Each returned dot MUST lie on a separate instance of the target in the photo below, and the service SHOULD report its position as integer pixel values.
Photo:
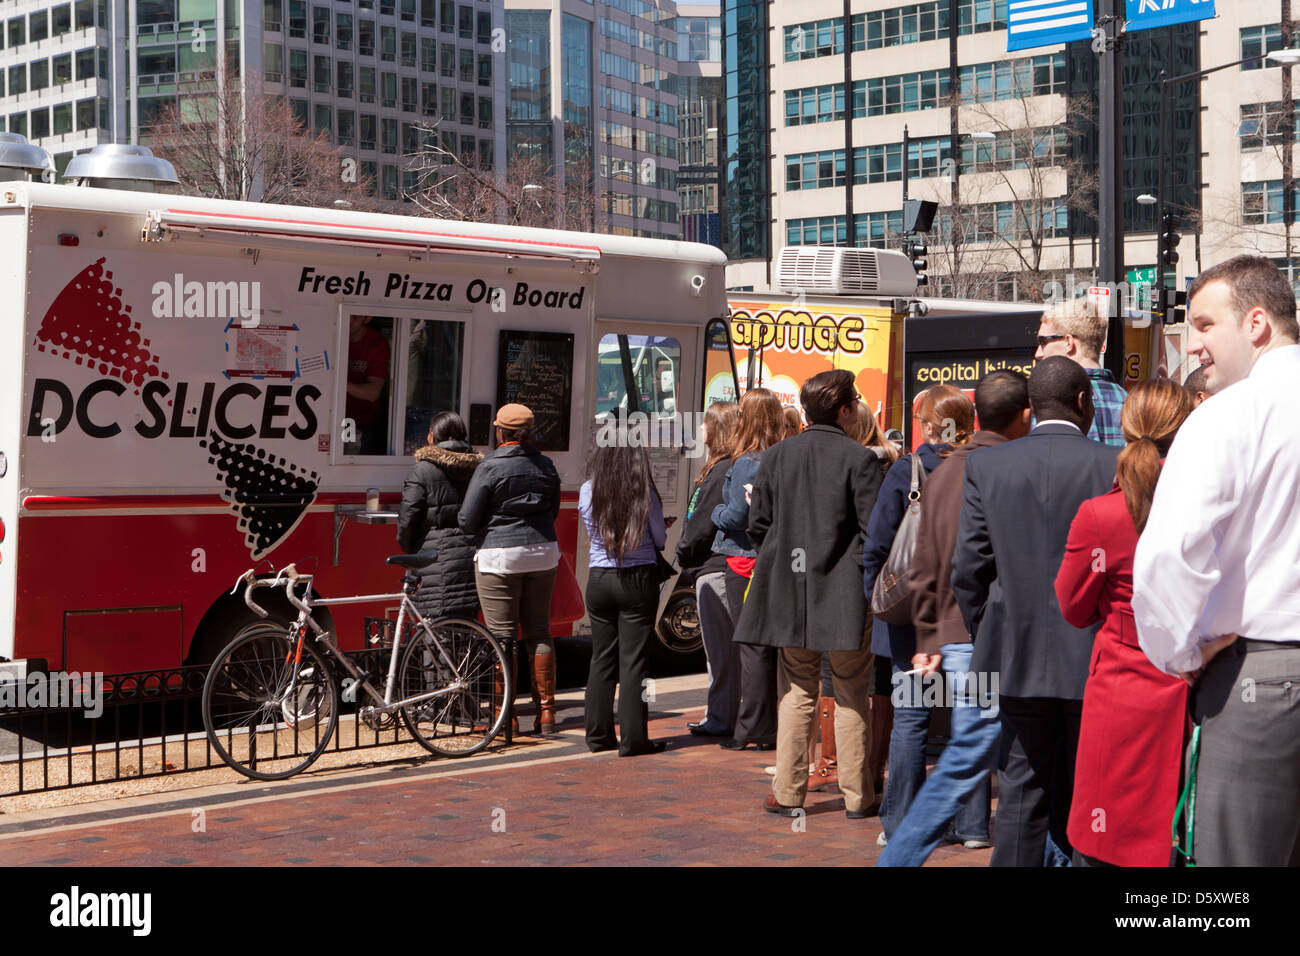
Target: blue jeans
(906, 749)
(961, 784)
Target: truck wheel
(679, 625)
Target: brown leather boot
(499, 692)
(826, 773)
(544, 688)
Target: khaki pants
(851, 673)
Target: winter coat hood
(453, 456)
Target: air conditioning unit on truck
(175, 404)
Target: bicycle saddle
(413, 562)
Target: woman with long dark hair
(695, 550)
(1135, 718)
(427, 520)
(625, 523)
(762, 425)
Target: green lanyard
(1188, 798)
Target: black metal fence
(151, 725)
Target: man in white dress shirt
(1216, 580)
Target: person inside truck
(367, 381)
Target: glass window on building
(467, 109)
(466, 22)
(428, 13)
(1257, 41)
(369, 125)
(483, 27)
(387, 7)
(85, 14)
(410, 139)
(447, 16)
(408, 11)
(321, 74)
(428, 99)
(408, 49)
(17, 32)
(428, 55)
(369, 180)
(18, 79)
(388, 43)
(299, 108)
(485, 158)
(86, 114)
(40, 73)
(466, 59)
(388, 90)
(298, 68)
(63, 68)
(297, 18)
(18, 123)
(345, 79)
(347, 127)
(390, 182)
(38, 25)
(389, 129)
(485, 112)
(272, 16)
(366, 37)
(61, 20)
(366, 84)
(40, 123)
(484, 69)
(449, 140)
(154, 11)
(273, 62)
(447, 104)
(343, 31)
(322, 121)
(85, 65)
(410, 94)
(448, 55)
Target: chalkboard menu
(536, 369)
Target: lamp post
(1276, 58)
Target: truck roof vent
(122, 166)
(832, 270)
(21, 160)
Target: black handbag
(663, 570)
(891, 596)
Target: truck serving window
(637, 373)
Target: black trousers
(621, 603)
(756, 721)
(1040, 737)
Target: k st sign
(1149, 14)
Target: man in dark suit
(1018, 500)
(812, 498)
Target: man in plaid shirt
(1077, 330)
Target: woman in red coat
(1135, 722)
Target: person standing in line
(427, 520)
(944, 416)
(1196, 387)
(695, 550)
(958, 791)
(762, 425)
(1077, 330)
(1216, 578)
(1134, 717)
(793, 421)
(510, 508)
(625, 523)
(811, 499)
(1018, 500)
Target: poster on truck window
(787, 344)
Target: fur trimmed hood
(460, 461)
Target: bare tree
(230, 140)
(451, 185)
(1017, 190)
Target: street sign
(1149, 14)
(1145, 276)
(1141, 282)
(1032, 23)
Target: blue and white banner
(1148, 14)
(1032, 23)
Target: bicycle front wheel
(455, 653)
(269, 712)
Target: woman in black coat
(431, 499)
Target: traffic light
(917, 251)
(1169, 240)
(1175, 307)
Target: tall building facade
(1011, 159)
(592, 86)
(699, 108)
(365, 72)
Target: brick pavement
(542, 803)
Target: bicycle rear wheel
(463, 722)
(256, 721)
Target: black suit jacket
(1018, 501)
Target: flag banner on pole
(1149, 14)
(1032, 23)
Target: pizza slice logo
(89, 324)
(268, 495)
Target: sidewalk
(538, 803)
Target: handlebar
(288, 575)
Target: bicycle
(271, 701)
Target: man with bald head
(1018, 500)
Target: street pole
(907, 144)
(1110, 211)
(1162, 159)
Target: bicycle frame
(385, 704)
